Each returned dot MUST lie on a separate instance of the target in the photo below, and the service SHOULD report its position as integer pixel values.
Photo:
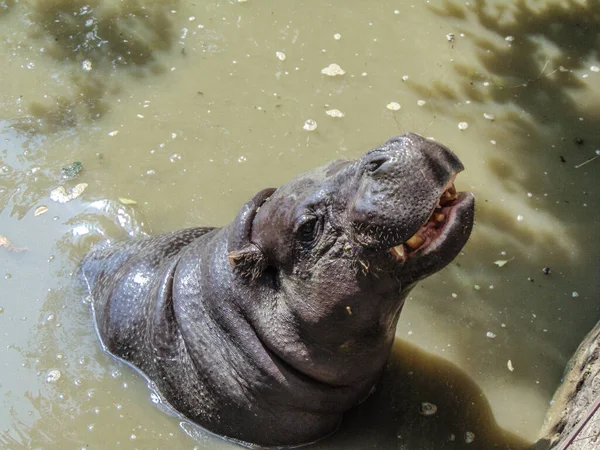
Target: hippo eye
(376, 163)
(308, 229)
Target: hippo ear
(249, 261)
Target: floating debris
(70, 172)
(127, 201)
(393, 106)
(60, 194)
(4, 242)
(40, 210)
(113, 133)
(595, 69)
(337, 36)
(589, 160)
(334, 113)
(428, 409)
(404, 77)
(349, 310)
(477, 287)
(86, 65)
(575, 294)
(421, 102)
(53, 376)
(510, 366)
(546, 270)
(333, 70)
(489, 116)
(280, 56)
(502, 262)
(310, 125)
(463, 126)
(469, 437)
(450, 37)
(490, 335)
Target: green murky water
(190, 108)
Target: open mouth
(436, 229)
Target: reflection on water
(189, 109)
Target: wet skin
(269, 329)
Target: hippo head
(334, 252)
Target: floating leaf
(71, 171)
(502, 262)
(4, 242)
(40, 210)
(127, 201)
(333, 70)
(60, 194)
(334, 113)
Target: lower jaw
(423, 245)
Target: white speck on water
(509, 38)
(280, 56)
(364, 74)
(333, 70)
(529, 194)
(575, 294)
(404, 77)
(410, 333)
(454, 295)
(450, 37)
(113, 133)
(503, 325)
(396, 11)
(490, 334)
(421, 102)
(242, 159)
(140, 116)
(489, 116)
(133, 437)
(334, 113)
(175, 157)
(428, 409)
(86, 65)
(520, 217)
(337, 36)
(53, 376)
(493, 142)
(510, 365)
(595, 69)
(192, 18)
(310, 125)
(393, 106)
(469, 437)
(463, 126)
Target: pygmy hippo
(267, 330)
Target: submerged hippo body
(269, 329)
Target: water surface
(189, 109)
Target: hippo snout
(398, 190)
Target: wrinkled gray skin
(268, 329)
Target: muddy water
(189, 109)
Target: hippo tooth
(415, 242)
(398, 251)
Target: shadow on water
(391, 418)
(98, 40)
(535, 74)
(532, 61)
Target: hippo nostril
(375, 163)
